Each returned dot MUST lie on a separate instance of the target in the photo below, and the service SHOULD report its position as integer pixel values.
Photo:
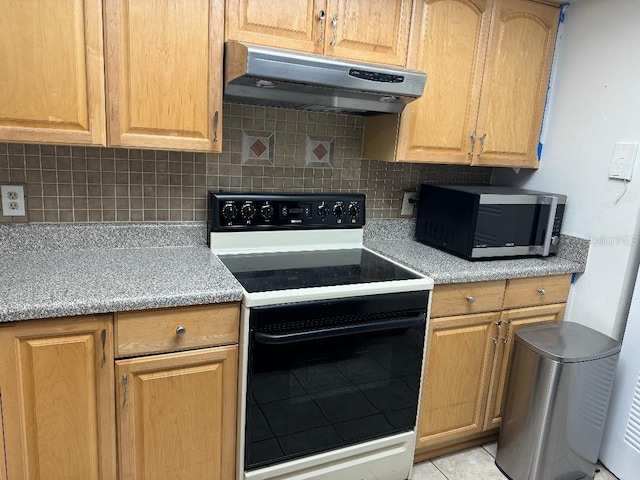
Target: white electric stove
(332, 339)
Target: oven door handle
(283, 338)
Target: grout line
(443, 474)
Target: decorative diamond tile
(319, 151)
(258, 147)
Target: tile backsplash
(265, 149)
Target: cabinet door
(52, 72)
(56, 383)
(350, 31)
(164, 73)
(448, 41)
(294, 24)
(177, 415)
(515, 83)
(512, 320)
(459, 357)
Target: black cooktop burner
(263, 272)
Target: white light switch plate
(623, 161)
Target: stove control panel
(260, 211)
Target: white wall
(594, 103)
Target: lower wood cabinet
(468, 358)
(460, 355)
(57, 403)
(173, 414)
(510, 322)
(177, 415)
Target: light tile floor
(474, 464)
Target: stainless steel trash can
(557, 400)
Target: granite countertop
(394, 238)
(56, 270)
(59, 271)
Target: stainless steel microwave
(483, 221)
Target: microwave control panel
(263, 211)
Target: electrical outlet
(409, 203)
(13, 204)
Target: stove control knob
(323, 211)
(354, 209)
(229, 211)
(338, 210)
(266, 211)
(248, 211)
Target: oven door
(326, 374)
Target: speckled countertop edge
(59, 270)
(394, 238)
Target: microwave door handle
(552, 201)
(285, 338)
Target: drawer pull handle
(334, 22)
(125, 384)
(542, 291)
(471, 298)
(506, 335)
(103, 339)
(181, 330)
(321, 17)
(473, 143)
(215, 127)
(482, 138)
(498, 328)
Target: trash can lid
(567, 342)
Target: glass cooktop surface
(264, 272)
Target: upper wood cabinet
(488, 65)
(338, 28)
(164, 73)
(52, 72)
(57, 390)
(514, 87)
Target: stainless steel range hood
(281, 78)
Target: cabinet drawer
(526, 292)
(172, 329)
(463, 298)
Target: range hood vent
(280, 78)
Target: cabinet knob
(181, 330)
(542, 291)
(471, 298)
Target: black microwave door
(446, 219)
(510, 225)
